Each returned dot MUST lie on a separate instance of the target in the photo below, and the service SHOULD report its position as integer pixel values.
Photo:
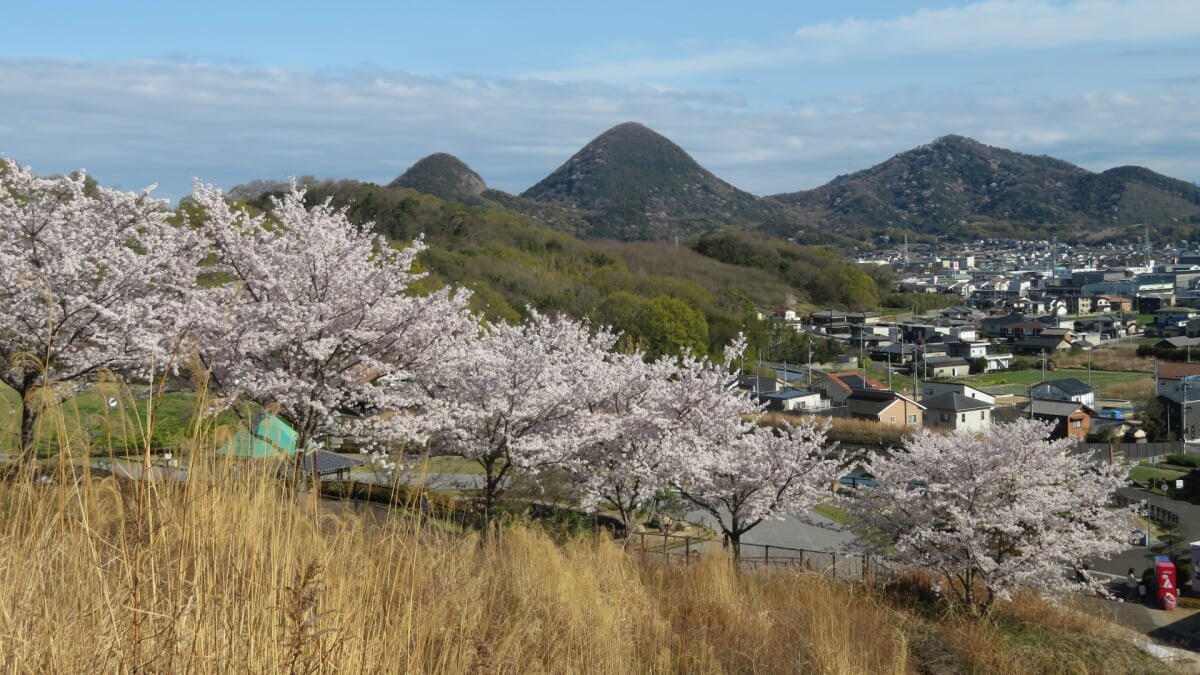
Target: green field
(89, 418)
(1019, 380)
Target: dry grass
(1131, 391)
(1105, 359)
(229, 571)
(241, 576)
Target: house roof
(1067, 385)
(787, 395)
(955, 401)
(1048, 408)
(1175, 371)
(330, 462)
(1049, 341)
(853, 381)
(872, 402)
(941, 361)
(1179, 342)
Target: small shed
(271, 438)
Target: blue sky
(772, 97)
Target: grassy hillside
(228, 573)
(510, 261)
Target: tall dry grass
(232, 571)
(1105, 359)
(240, 575)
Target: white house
(951, 410)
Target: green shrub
(1180, 459)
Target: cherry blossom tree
(707, 444)
(620, 466)
(91, 279)
(524, 399)
(317, 317)
(991, 513)
(764, 472)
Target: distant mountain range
(632, 183)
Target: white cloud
(636, 70)
(133, 124)
(1007, 24)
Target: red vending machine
(1164, 577)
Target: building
(886, 407)
(1070, 419)
(794, 400)
(956, 412)
(1066, 389)
(837, 387)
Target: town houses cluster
(1012, 299)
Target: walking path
(1175, 633)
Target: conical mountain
(634, 183)
(960, 187)
(444, 176)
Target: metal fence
(1148, 508)
(1117, 452)
(680, 549)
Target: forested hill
(637, 184)
(963, 189)
(658, 293)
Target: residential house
(897, 353)
(862, 318)
(885, 406)
(837, 387)
(828, 319)
(1010, 327)
(1041, 345)
(1070, 419)
(997, 362)
(1178, 385)
(1078, 304)
(931, 389)
(1066, 389)
(941, 367)
(961, 313)
(956, 412)
(1117, 304)
(793, 400)
(967, 350)
(757, 385)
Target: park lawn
(1147, 472)
(88, 416)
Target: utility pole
(809, 339)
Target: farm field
(1018, 381)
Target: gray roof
(873, 401)
(1054, 408)
(955, 401)
(1067, 385)
(330, 462)
(784, 395)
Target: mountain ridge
(632, 183)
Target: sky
(773, 96)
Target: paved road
(1141, 557)
(822, 534)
